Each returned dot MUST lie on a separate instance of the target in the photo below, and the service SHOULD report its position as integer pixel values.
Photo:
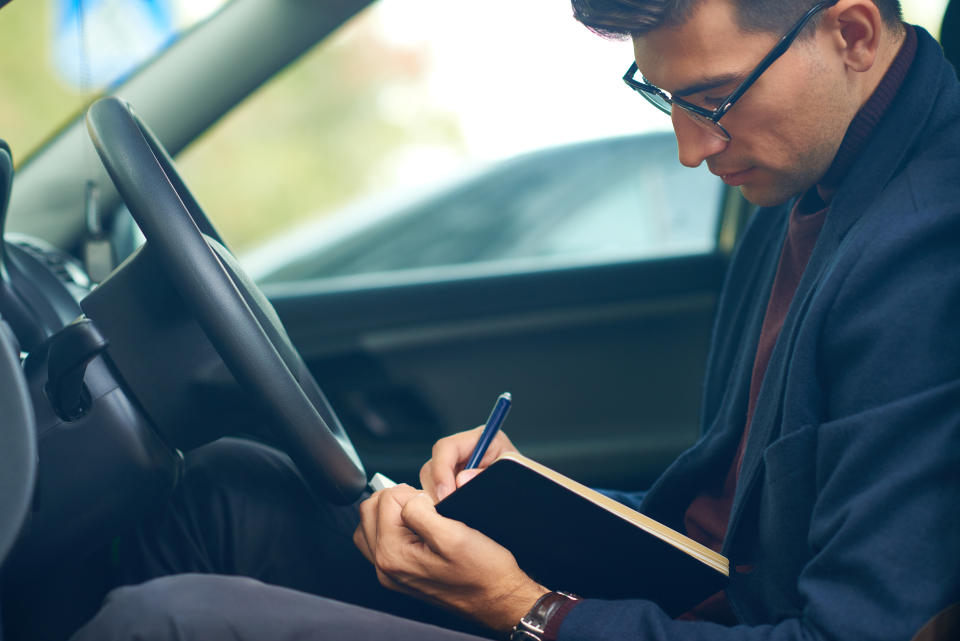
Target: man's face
(784, 132)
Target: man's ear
(857, 30)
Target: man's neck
(892, 67)
(892, 43)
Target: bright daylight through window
(392, 119)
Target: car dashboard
(99, 456)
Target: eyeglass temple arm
(777, 51)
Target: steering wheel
(18, 446)
(236, 317)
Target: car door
(415, 324)
(604, 361)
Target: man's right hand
(444, 472)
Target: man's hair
(621, 18)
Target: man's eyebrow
(706, 84)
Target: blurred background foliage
(348, 118)
(32, 100)
(323, 133)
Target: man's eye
(713, 102)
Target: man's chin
(764, 196)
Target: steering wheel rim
(235, 316)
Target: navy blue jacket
(848, 501)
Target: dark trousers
(242, 512)
(214, 607)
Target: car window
(427, 133)
(606, 199)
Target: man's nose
(695, 143)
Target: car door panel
(604, 361)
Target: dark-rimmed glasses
(710, 119)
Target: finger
(427, 482)
(391, 531)
(367, 529)
(387, 581)
(361, 542)
(396, 543)
(440, 534)
(498, 446)
(449, 455)
(466, 475)
(501, 443)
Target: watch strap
(534, 623)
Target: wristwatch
(533, 624)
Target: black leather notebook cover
(566, 541)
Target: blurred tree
(52, 68)
(33, 101)
(322, 133)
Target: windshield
(60, 54)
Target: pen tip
(507, 396)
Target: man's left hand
(418, 552)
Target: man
(828, 467)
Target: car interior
(107, 379)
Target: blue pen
(490, 430)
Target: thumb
(466, 476)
